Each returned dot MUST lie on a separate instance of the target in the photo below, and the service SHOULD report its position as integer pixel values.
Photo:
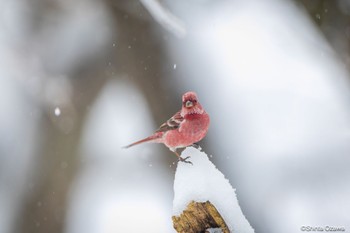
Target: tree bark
(198, 217)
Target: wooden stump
(198, 217)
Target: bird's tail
(152, 138)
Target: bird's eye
(188, 104)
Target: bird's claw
(185, 160)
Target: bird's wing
(171, 124)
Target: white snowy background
(80, 79)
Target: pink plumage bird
(185, 128)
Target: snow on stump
(204, 200)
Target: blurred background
(80, 79)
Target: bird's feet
(185, 160)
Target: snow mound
(202, 182)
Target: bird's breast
(192, 129)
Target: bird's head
(190, 104)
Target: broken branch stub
(198, 217)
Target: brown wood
(198, 217)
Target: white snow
(57, 111)
(201, 182)
(214, 230)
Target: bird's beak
(189, 104)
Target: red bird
(185, 128)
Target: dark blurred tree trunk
(137, 56)
(333, 20)
(140, 55)
(46, 203)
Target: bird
(185, 128)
